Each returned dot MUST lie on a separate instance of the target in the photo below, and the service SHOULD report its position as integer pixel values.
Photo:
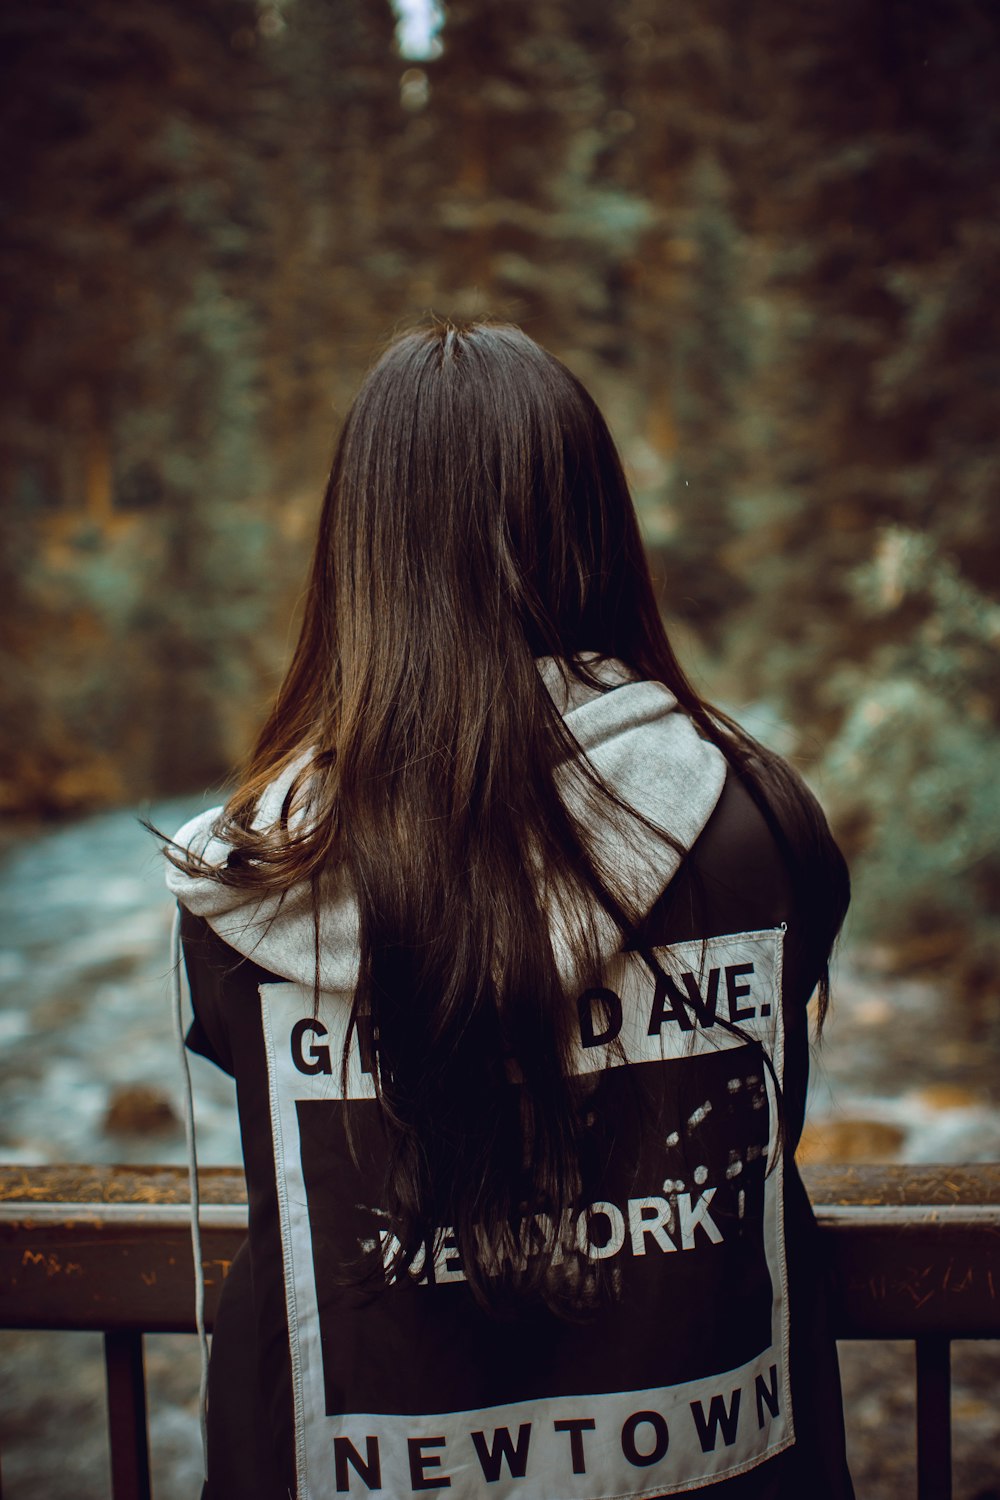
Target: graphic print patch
(679, 1375)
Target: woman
(507, 939)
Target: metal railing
(912, 1252)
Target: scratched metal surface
(910, 1251)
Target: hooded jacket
(705, 1361)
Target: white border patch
(601, 1447)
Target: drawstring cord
(192, 1163)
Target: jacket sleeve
(736, 879)
(207, 960)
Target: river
(89, 1072)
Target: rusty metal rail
(912, 1252)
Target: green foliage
(914, 762)
(766, 236)
(918, 778)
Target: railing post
(933, 1417)
(127, 1425)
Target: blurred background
(766, 237)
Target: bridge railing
(912, 1252)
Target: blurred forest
(766, 236)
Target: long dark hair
(476, 518)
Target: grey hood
(634, 736)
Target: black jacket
(707, 1362)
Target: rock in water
(140, 1109)
(850, 1140)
